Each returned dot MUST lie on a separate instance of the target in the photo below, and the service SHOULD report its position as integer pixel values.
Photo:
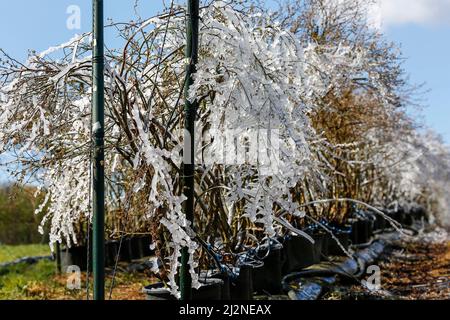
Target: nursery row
(305, 107)
(263, 270)
(123, 250)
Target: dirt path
(418, 270)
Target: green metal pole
(190, 113)
(98, 123)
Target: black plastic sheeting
(26, 260)
(309, 284)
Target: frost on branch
(321, 94)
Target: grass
(19, 282)
(11, 253)
(41, 281)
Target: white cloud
(422, 12)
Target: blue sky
(421, 30)
(39, 24)
(427, 49)
(421, 27)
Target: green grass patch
(21, 281)
(40, 281)
(11, 253)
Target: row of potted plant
(260, 270)
(122, 250)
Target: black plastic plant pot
(211, 290)
(360, 231)
(325, 245)
(376, 224)
(267, 278)
(226, 288)
(333, 248)
(299, 252)
(136, 248)
(380, 223)
(318, 244)
(370, 227)
(226, 278)
(241, 287)
(418, 213)
(364, 231)
(75, 256)
(355, 234)
(125, 254)
(383, 223)
(146, 243)
(399, 216)
(158, 292)
(111, 251)
(408, 219)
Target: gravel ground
(411, 269)
(420, 269)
